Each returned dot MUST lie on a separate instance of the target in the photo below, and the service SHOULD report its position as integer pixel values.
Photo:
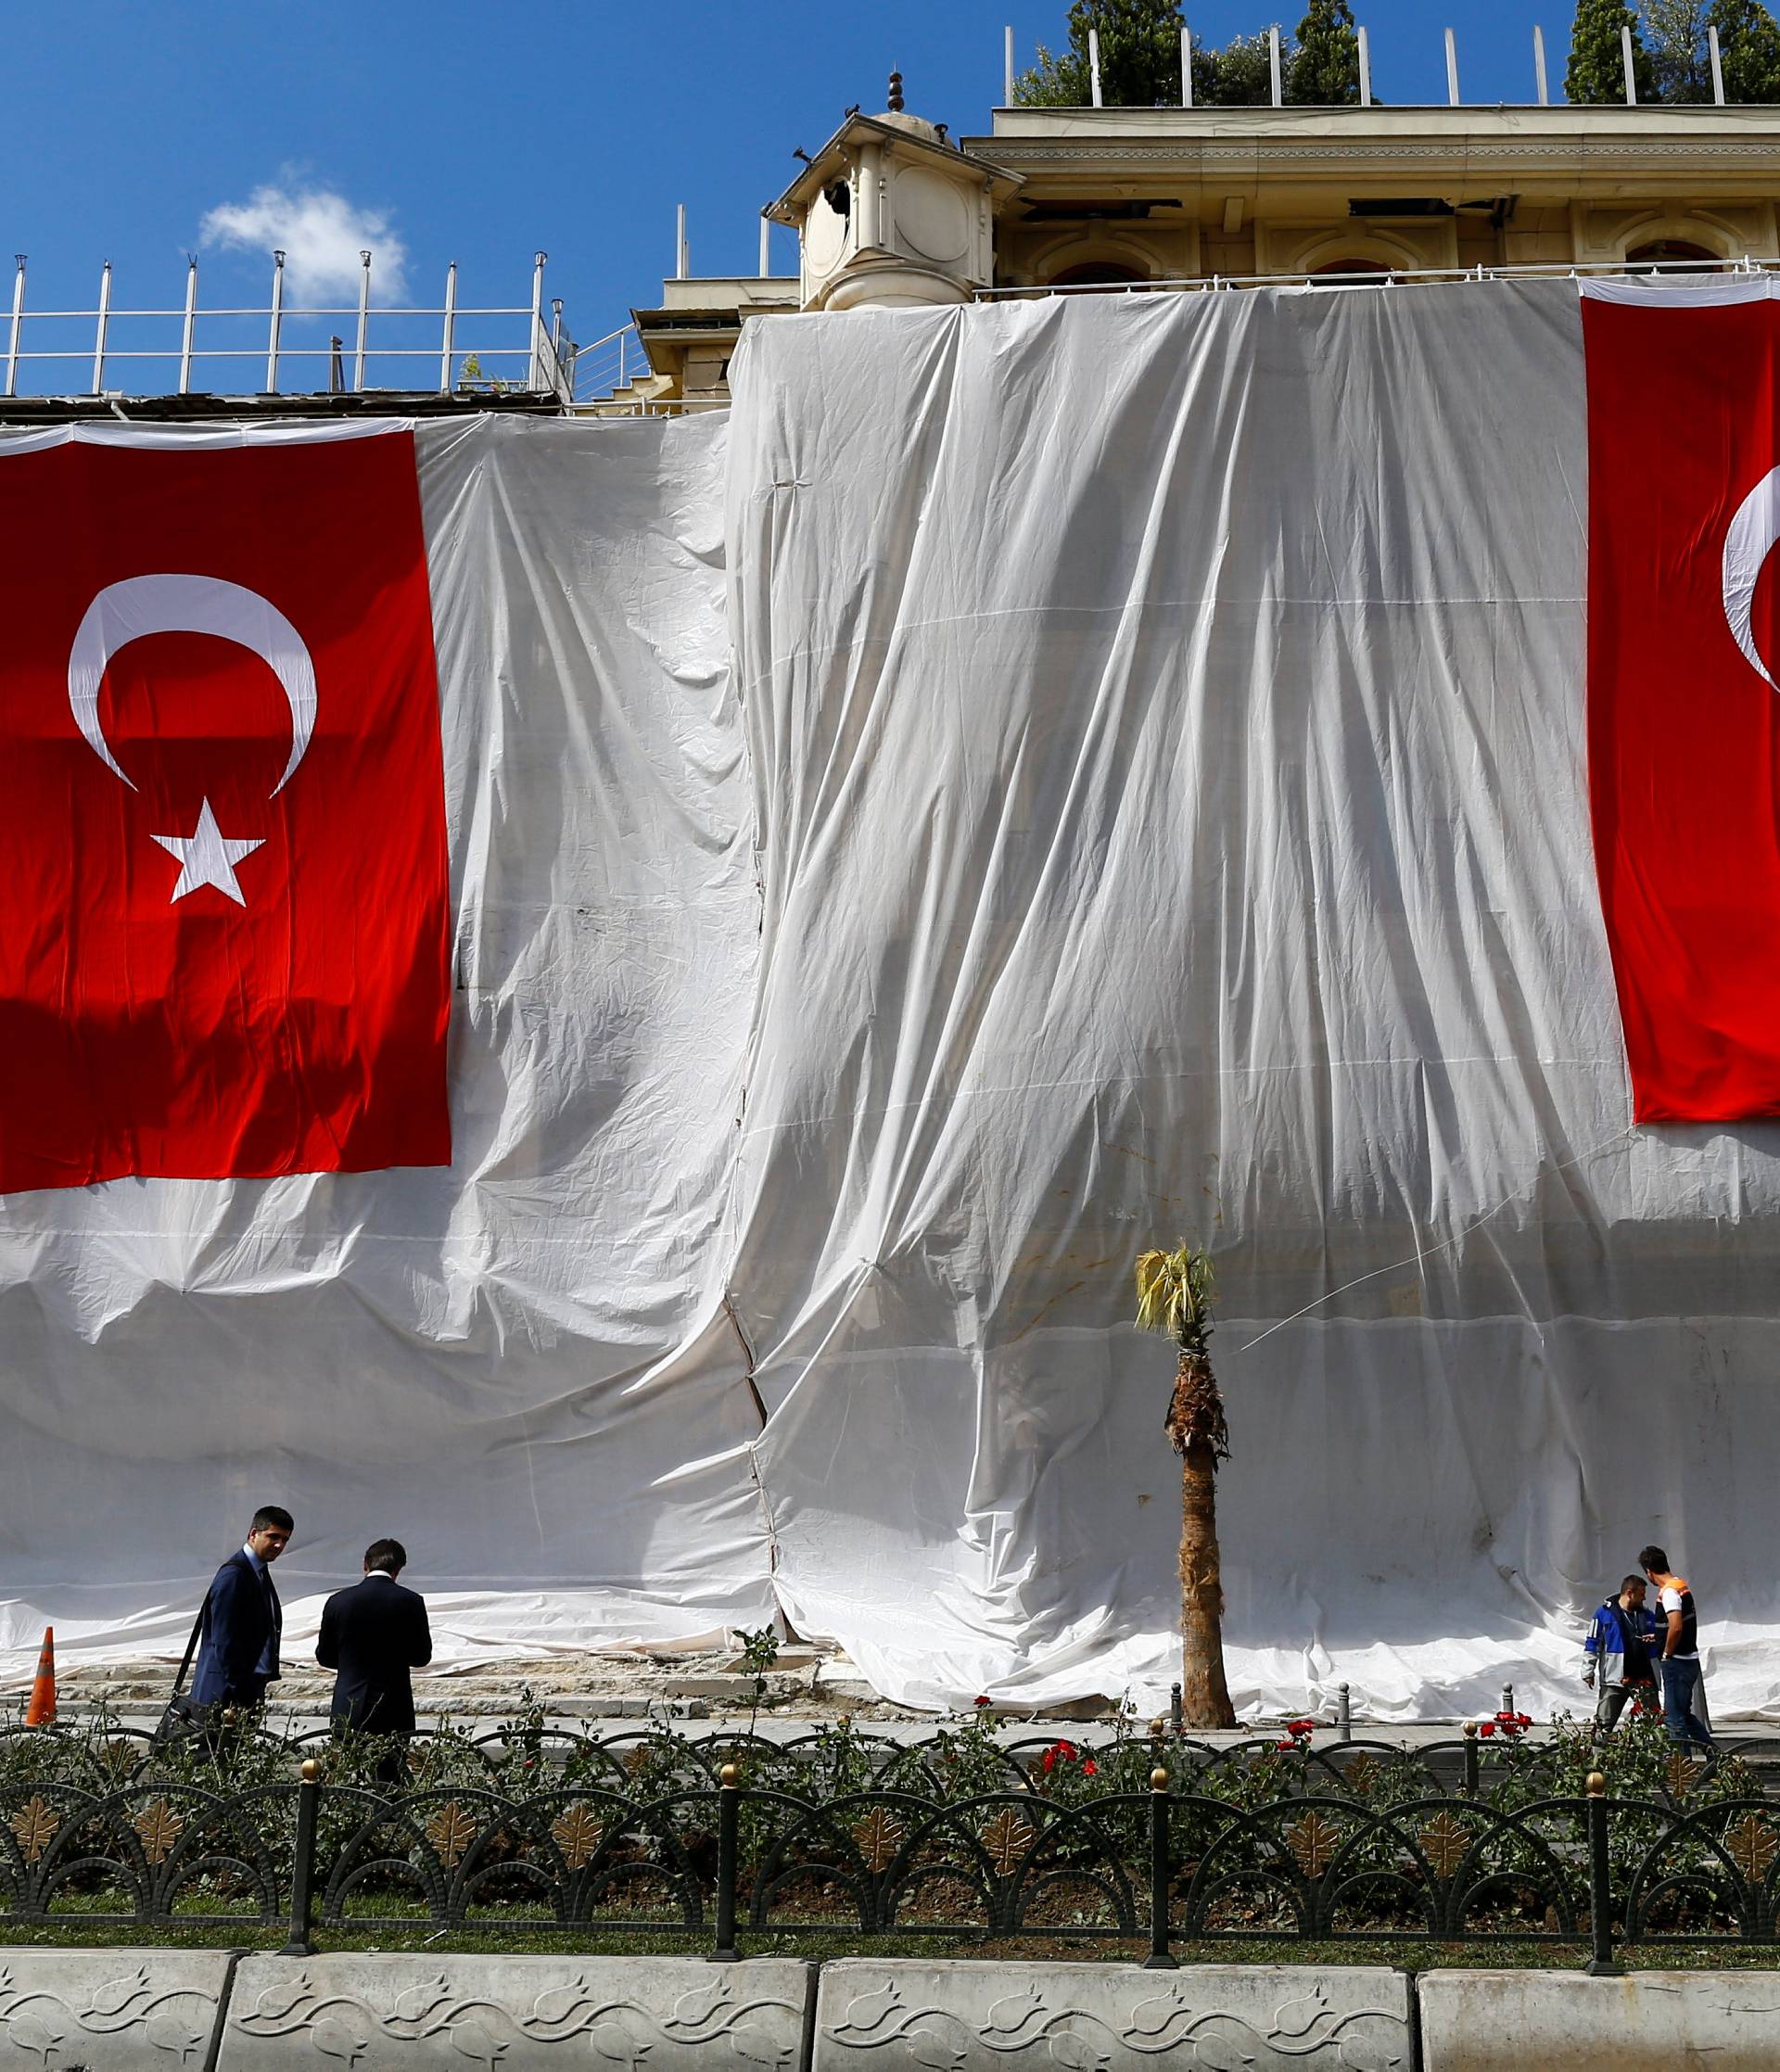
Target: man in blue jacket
(1618, 1657)
(243, 1620)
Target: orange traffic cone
(40, 1712)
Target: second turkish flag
(1684, 720)
(224, 946)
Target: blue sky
(479, 133)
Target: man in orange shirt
(1678, 1659)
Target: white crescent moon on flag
(128, 611)
(1747, 545)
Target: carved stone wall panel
(962, 2016)
(112, 2010)
(383, 2014)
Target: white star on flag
(207, 859)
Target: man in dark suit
(243, 1620)
(374, 1633)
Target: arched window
(1096, 273)
(1671, 255)
(1332, 269)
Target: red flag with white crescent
(224, 926)
(1683, 715)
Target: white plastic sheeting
(506, 1363)
(1151, 803)
(1167, 719)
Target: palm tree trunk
(1205, 1694)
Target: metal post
(1600, 1894)
(1471, 1759)
(445, 342)
(1539, 65)
(1451, 69)
(1273, 61)
(104, 325)
(18, 324)
(1159, 1959)
(537, 259)
(1344, 1712)
(1186, 66)
(728, 1807)
(1173, 1709)
(1507, 1698)
(1718, 65)
(364, 319)
(1094, 65)
(1365, 68)
(1007, 66)
(624, 339)
(302, 1867)
(681, 260)
(335, 366)
(1625, 63)
(188, 329)
(766, 245)
(277, 321)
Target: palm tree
(1174, 1295)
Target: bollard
(1471, 1759)
(1174, 1710)
(302, 1867)
(1600, 1897)
(1159, 1959)
(1507, 1700)
(1344, 1712)
(728, 1807)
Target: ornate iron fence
(721, 1858)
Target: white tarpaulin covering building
(1144, 796)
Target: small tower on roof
(890, 214)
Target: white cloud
(321, 234)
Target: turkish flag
(1684, 722)
(223, 915)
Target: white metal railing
(1368, 275)
(451, 347)
(608, 364)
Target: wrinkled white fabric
(518, 1366)
(1167, 720)
(1151, 804)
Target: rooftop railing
(279, 346)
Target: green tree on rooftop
(1139, 58)
(1325, 66)
(1596, 69)
(1749, 44)
(1674, 31)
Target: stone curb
(910, 2016)
(510, 2014)
(111, 2010)
(121, 2010)
(1564, 2021)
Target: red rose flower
(1090, 1768)
(1523, 1719)
(1050, 1760)
(1285, 1745)
(980, 1701)
(1487, 1729)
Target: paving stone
(965, 2016)
(109, 2010)
(383, 2014)
(1565, 2021)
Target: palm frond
(1175, 1291)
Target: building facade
(892, 212)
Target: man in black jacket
(242, 1618)
(374, 1633)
